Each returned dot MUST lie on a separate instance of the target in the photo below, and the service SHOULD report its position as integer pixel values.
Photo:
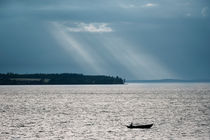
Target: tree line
(56, 79)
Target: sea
(178, 111)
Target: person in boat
(131, 124)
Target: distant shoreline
(169, 81)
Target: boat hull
(147, 126)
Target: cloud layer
(135, 39)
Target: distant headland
(57, 79)
(170, 81)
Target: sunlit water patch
(178, 111)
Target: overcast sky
(134, 39)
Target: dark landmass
(57, 79)
(169, 81)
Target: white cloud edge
(89, 27)
(150, 5)
(130, 6)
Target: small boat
(146, 126)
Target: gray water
(178, 111)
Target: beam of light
(139, 64)
(76, 49)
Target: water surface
(178, 111)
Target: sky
(133, 39)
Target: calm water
(178, 111)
